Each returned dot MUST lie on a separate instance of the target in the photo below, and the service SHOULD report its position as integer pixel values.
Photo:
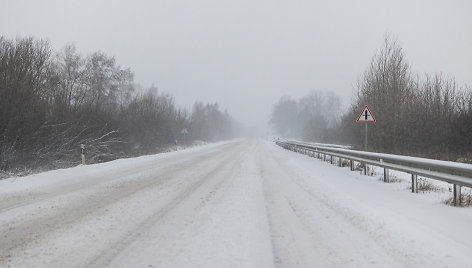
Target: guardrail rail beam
(457, 174)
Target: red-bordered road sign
(366, 116)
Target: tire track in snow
(19, 232)
(343, 236)
(222, 224)
(290, 244)
(309, 230)
(21, 198)
(219, 172)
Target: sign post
(184, 132)
(366, 116)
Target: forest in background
(423, 115)
(51, 102)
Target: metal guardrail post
(386, 175)
(457, 195)
(351, 163)
(414, 183)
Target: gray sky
(246, 54)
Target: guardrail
(315, 144)
(458, 174)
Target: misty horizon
(246, 55)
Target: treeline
(425, 115)
(309, 118)
(51, 102)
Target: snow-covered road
(245, 203)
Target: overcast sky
(245, 54)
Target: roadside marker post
(82, 152)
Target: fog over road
(244, 203)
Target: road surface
(244, 203)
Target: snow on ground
(245, 203)
(412, 229)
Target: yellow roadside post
(82, 151)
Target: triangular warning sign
(366, 116)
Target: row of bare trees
(50, 103)
(427, 115)
(308, 118)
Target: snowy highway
(244, 203)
